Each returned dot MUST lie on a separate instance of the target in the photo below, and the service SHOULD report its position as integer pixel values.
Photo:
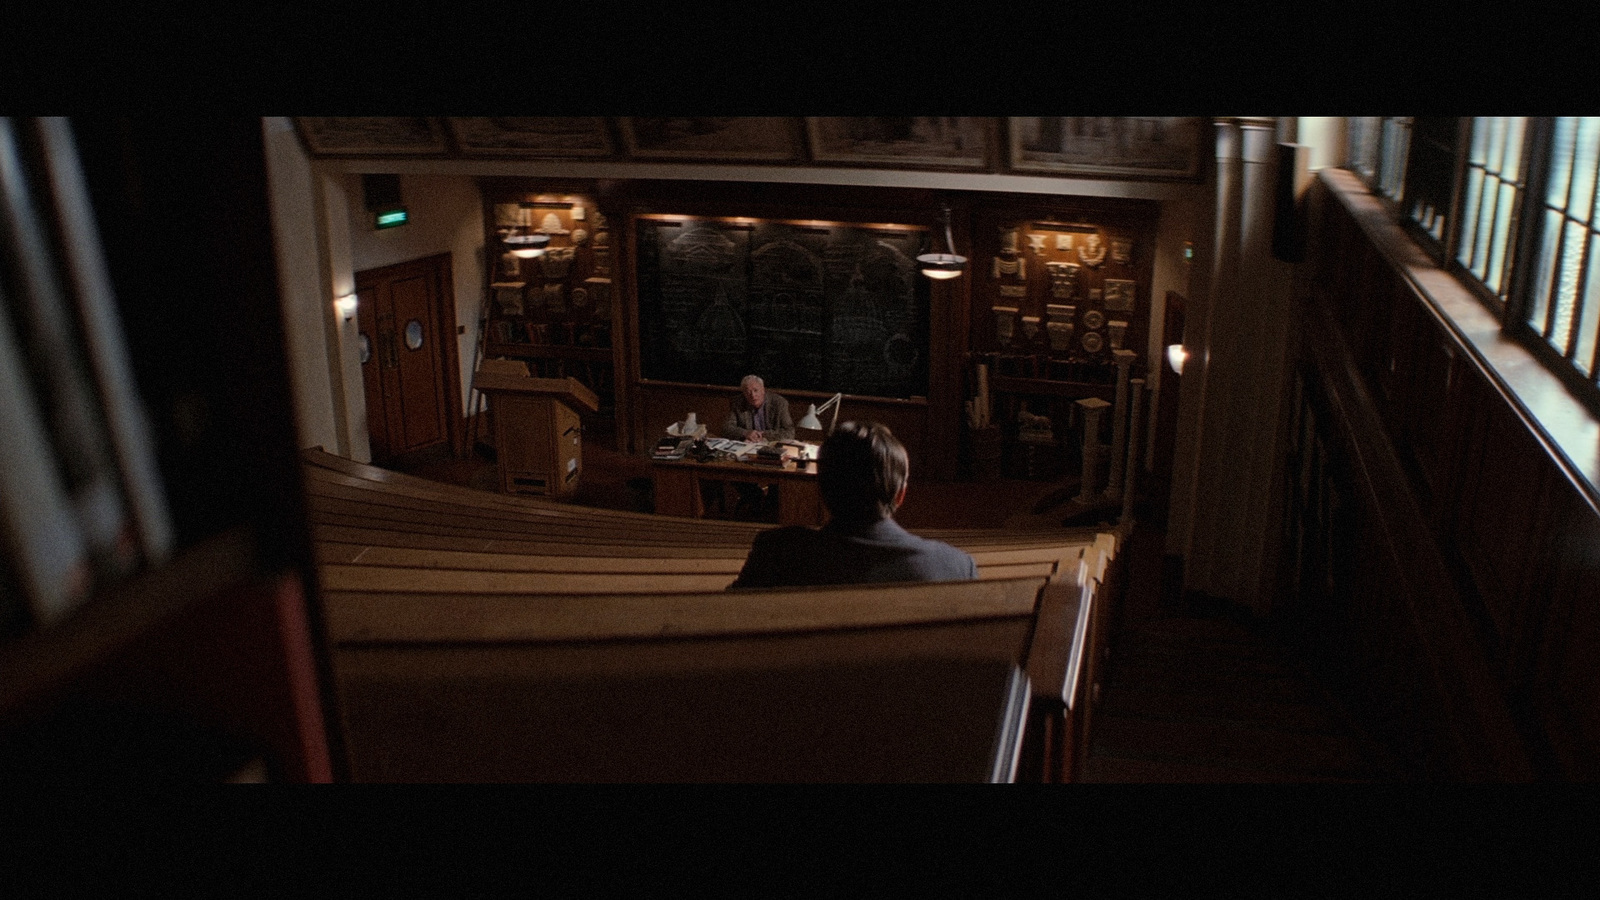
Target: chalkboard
(824, 307)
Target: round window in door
(413, 335)
(366, 348)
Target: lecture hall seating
(486, 637)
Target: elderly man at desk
(756, 415)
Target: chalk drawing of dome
(886, 271)
(857, 321)
(721, 330)
(705, 249)
(787, 263)
(784, 312)
(686, 341)
(900, 354)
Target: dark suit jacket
(742, 418)
(795, 556)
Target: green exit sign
(389, 218)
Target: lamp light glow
(346, 306)
(941, 266)
(1176, 356)
(527, 246)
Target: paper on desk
(737, 448)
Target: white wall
(305, 311)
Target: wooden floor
(1191, 693)
(1201, 693)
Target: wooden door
(408, 366)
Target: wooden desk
(677, 486)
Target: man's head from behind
(755, 391)
(861, 471)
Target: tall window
(1510, 204)
(1489, 202)
(1361, 133)
(1430, 174)
(1377, 150)
(1563, 304)
(1393, 147)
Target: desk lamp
(810, 422)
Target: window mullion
(1535, 166)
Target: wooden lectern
(538, 437)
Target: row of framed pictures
(1095, 146)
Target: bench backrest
(879, 683)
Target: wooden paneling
(1564, 692)
(1440, 557)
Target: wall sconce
(346, 306)
(1175, 357)
(810, 421)
(940, 266)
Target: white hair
(752, 379)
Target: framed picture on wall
(954, 142)
(372, 135)
(1156, 147)
(713, 138)
(554, 136)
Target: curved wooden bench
(884, 683)
(420, 571)
(469, 502)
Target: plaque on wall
(1093, 251)
(1005, 321)
(1063, 279)
(1119, 294)
(1060, 335)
